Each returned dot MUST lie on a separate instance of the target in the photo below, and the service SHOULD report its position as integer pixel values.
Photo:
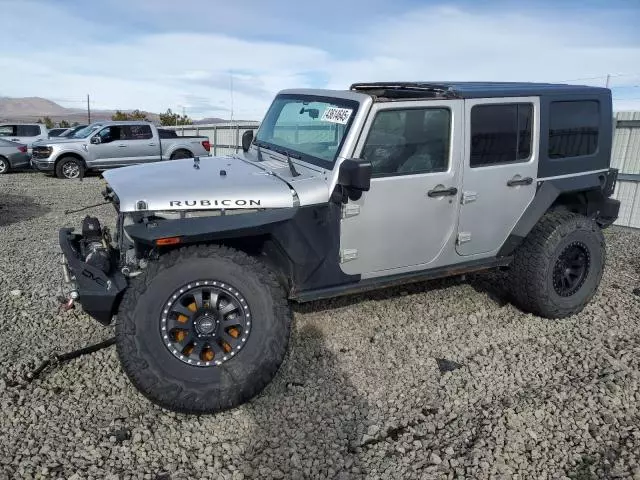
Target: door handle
(514, 182)
(444, 192)
(15, 139)
(121, 146)
(152, 144)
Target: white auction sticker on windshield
(336, 115)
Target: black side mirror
(96, 140)
(355, 175)
(247, 138)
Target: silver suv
(341, 192)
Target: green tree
(64, 124)
(48, 122)
(170, 118)
(40, 121)
(134, 115)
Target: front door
(112, 151)
(404, 221)
(500, 170)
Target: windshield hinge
(468, 197)
(350, 210)
(348, 254)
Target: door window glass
(409, 141)
(500, 133)
(7, 130)
(137, 132)
(110, 134)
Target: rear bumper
(42, 164)
(98, 293)
(19, 160)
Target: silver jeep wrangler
(341, 192)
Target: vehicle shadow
(311, 417)
(19, 208)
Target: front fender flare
(205, 229)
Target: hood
(219, 182)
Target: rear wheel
(202, 330)
(181, 154)
(4, 165)
(69, 168)
(557, 269)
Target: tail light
(206, 145)
(23, 148)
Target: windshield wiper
(288, 154)
(260, 144)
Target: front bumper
(42, 164)
(98, 293)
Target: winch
(94, 247)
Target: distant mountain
(30, 109)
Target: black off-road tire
(532, 271)
(64, 163)
(168, 381)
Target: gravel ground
(436, 380)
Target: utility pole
(183, 120)
(88, 110)
(608, 78)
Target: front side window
(109, 134)
(573, 128)
(7, 130)
(500, 133)
(28, 130)
(409, 141)
(307, 127)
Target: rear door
(142, 147)
(500, 170)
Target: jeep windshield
(308, 127)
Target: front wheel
(557, 269)
(4, 166)
(202, 330)
(69, 168)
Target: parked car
(26, 133)
(56, 132)
(12, 155)
(71, 131)
(106, 145)
(342, 192)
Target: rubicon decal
(214, 203)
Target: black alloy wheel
(205, 323)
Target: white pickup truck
(104, 145)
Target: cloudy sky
(160, 54)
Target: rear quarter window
(574, 128)
(28, 130)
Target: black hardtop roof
(472, 89)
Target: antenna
(231, 91)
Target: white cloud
(155, 71)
